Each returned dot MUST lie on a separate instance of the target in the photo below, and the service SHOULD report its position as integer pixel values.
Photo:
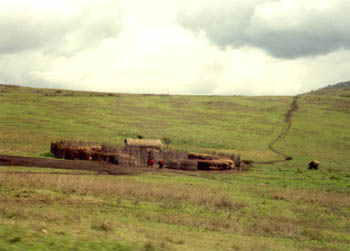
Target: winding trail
(284, 132)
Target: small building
(144, 143)
(211, 162)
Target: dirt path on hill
(284, 132)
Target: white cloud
(61, 27)
(139, 47)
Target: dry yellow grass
(122, 188)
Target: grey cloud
(22, 30)
(237, 24)
(95, 24)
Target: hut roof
(216, 161)
(152, 143)
(204, 156)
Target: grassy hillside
(270, 207)
(32, 118)
(341, 89)
(321, 130)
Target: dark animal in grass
(314, 165)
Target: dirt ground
(99, 167)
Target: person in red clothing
(160, 163)
(150, 162)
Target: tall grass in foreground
(111, 205)
(200, 195)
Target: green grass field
(268, 207)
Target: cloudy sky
(225, 47)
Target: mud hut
(211, 162)
(188, 165)
(143, 143)
(73, 150)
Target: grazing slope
(32, 118)
(270, 207)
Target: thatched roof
(204, 156)
(216, 162)
(151, 143)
